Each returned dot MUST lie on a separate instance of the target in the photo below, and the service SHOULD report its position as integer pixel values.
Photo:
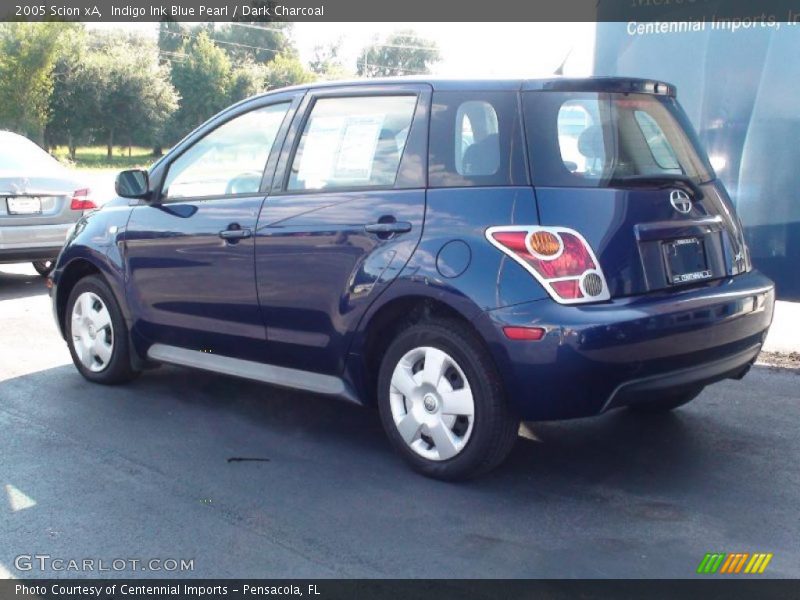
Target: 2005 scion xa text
(462, 254)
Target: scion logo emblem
(680, 201)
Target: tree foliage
(326, 63)
(62, 84)
(402, 53)
(286, 70)
(112, 88)
(208, 80)
(202, 77)
(73, 105)
(28, 55)
(247, 79)
(254, 42)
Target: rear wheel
(441, 402)
(44, 267)
(666, 403)
(96, 333)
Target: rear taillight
(559, 258)
(81, 201)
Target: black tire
(494, 427)
(44, 267)
(118, 368)
(666, 402)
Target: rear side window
(588, 139)
(475, 140)
(354, 142)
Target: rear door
(625, 171)
(342, 219)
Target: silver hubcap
(432, 403)
(92, 332)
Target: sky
(467, 49)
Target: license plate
(686, 261)
(24, 206)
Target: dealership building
(740, 86)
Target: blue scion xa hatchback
(463, 254)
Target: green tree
(255, 42)
(28, 54)
(135, 96)
(402, 53)
(326, 63)
(287, 70)
(171, 36)
(74, 101)
(202, 77)
(247, 79)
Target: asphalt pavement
(144, 471)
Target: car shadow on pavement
(20, 285)
(618, 450)
(589, 497)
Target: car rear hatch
(618, 162)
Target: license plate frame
(24, 205)
(685, 260)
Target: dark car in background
(464, 254)
(39, 201)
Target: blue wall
(742, 92)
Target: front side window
(592, 139)
(230, 160)
(353, 142)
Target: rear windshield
(19, 153)
(589, 139)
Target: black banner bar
(750, 11)
(401, 589)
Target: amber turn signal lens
(544, 243)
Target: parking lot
(144, 471)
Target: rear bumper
(32, 242)
(28, 254)
(734, 366)
(598, 357)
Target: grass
(95, 157)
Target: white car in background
(40, 200)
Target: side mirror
(134, 183)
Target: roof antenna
(560, 69)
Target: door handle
(233, 233)
(387, 228)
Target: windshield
(580, 139)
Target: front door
(343, 218)
(190, 254)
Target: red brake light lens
(569, 290)
(559, 258)
(524, 334)
(81, 201)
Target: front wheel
(44, 267)
(96, 333)
(442, 404)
